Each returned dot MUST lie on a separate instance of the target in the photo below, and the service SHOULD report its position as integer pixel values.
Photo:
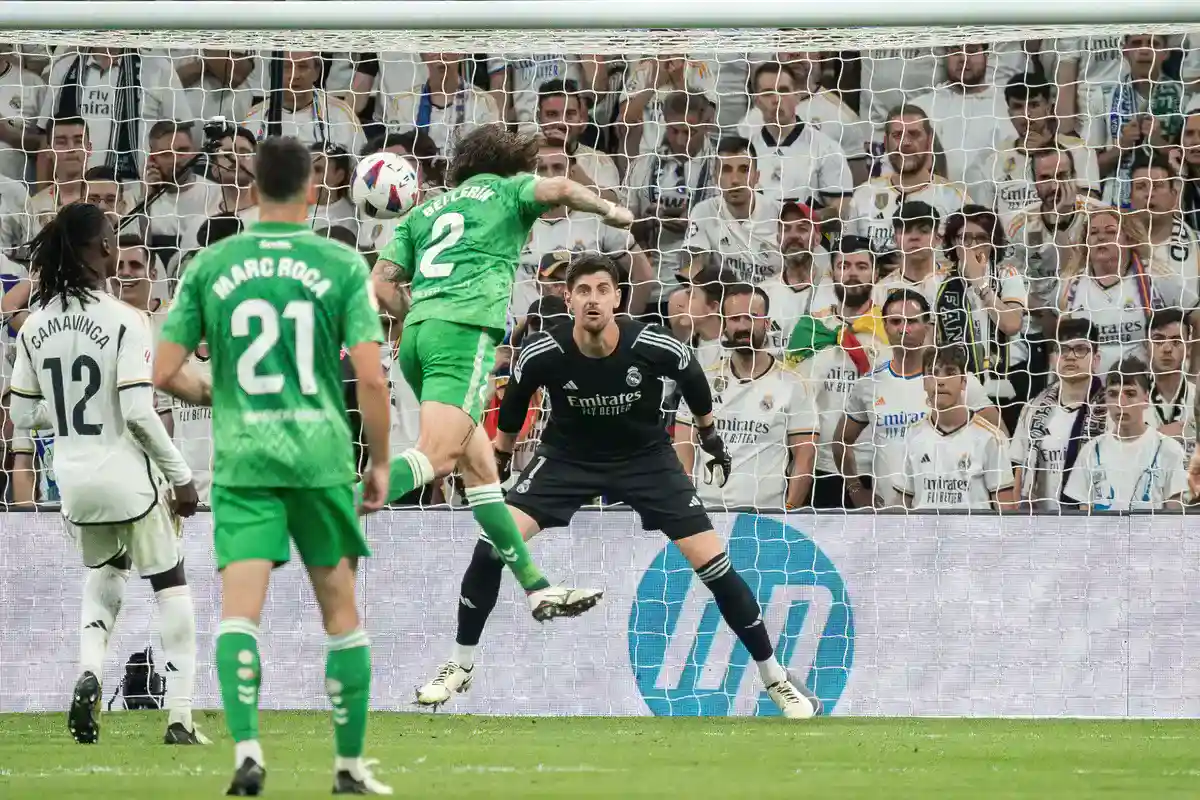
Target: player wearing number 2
(276, 305)
(458, 253)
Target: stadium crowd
(959, 278)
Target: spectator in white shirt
(309, 113)
(120, 93)
(1077, 65)
(739, 223)
(913, 170)
(1131, 466)
(968, 112)
(803, 285)
(694, 311)
(333, 168)
(20, 101)
(1143, 107)
(445, 106)
(665, 185)
(1056, 424)
(1154, 202)
(516, 80)
(954, 459)
(218, 83)
(1172, 394)
(69, 151)
(640, 115)
(561, 118)
(796, 159)
(107, 191)
(918, 244)
(1003, 179)
(181, 198)
(1109, 282)
(854, 273)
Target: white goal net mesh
(943, 270)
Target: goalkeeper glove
(721, 464)
(504, 465)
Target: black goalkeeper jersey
(604, 409)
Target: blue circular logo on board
(686, 660)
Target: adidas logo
(695, 502)
(925, 459)
(96, 624)
(570, 386)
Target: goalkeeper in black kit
(606, 379)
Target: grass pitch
(447, 756)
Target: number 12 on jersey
(300, 312)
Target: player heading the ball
(457, 254)
(606, 436)
(276, 305)
(83, 370)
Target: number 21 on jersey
(300, 312)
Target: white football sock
(177, 628)
(771, 671)
(464, 655)
(103, 593)
(250, 749)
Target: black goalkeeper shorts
(552, 488)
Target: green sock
(240, 674)
(348, 682)
(487, 505)
(409, 470)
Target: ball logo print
(687, 662)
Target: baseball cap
(795, 206)
(916, 212)
(554, 265)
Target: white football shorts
(154, 542)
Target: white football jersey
(874, 204)
(1119, 312)
(1100, 58)
(1051, 445)
(1179, 255)
(78, 361)
(957, 470)
(755, 418)
(831, 376)
(889, 404)
(528, 73)
(806, 165)
(830, 115)
(193, 433)
(577, 232)
(969, 127)
(748, 247)
(1128, 475)
(1004, 180)
(1043, 251)
(469, 109)
(327, 119)
(789, 303)
(20, 98)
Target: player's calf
(177, 628)
(103, 595)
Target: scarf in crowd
(1090, 421)
(1165, 104)
(954, 324)
(811, 335)
(679, 182)
(125, 137)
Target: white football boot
(794, 699)
(451, 679)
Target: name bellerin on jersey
(267, 267)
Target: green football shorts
(261, 523)
(447, 362)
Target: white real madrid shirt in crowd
(699, 77)
(671, 185)
(960, 469)
(467, 110)
(788, 302)
(1041, 251)
(825, 111)
(1142, 474)
(527, 74)
(193, 432)
(326, 119)
(213, 97)
(969, 126)
(1177, 407)
(15, 223)
(11, 273)
(1100, 58)
(21, 95)
(889, 404)
(748, 247)
(1120, 312)
(577, 232)
(755, 417)
(896, 280)
(804, 165)
(831, 376)
(1179, 254)
(104, 474)
(1010, 288)
(1003, 180)
(874, 204)
(162, 98)
(179, 214)
(600, 167)
(1051, 440)
(341, 213)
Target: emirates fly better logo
(686, 660)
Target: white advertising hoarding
(886, 615)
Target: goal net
(928, 271)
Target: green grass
(448, 756)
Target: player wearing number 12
(458, 253)
(276, 305)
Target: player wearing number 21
(276, 305)
(458, 253)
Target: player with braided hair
(83, 370)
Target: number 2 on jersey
(447, 229)
(301, 314)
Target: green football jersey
(275, 306)
(460, 249)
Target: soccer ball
(385, 186)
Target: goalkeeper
(458, 253)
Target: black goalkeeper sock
(737, 605)
(477, 597)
